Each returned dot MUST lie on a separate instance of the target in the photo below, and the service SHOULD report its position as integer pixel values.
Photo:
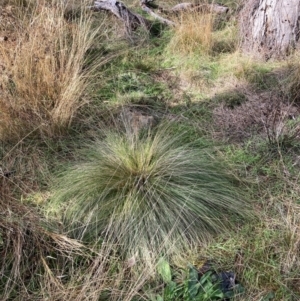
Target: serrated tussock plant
(148, 194)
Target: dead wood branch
(211, 8)
(187, 6)
(132, 20)
(147, 9)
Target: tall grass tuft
(148, 194)
(193, 33)
(45, 72)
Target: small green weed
(192, 287)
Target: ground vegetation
(156, 164)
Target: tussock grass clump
(44, 81)
(147, 194)
(193, 33)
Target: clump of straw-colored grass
(45, 74)
(192, 34)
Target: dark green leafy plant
(193, 288)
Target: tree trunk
(270, 28)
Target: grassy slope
(213, 92)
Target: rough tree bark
(270, 28)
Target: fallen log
(133, 21)
(210, 8)
(147, 8)
(187, 6)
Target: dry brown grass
(45, 79)
(31, 256)
(193, 33)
